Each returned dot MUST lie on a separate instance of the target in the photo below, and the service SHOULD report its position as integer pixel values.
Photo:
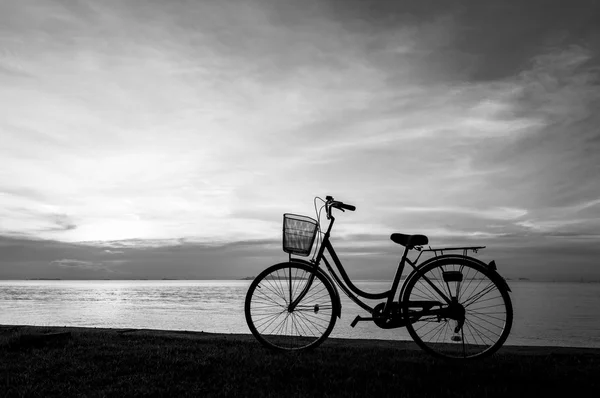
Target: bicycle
(453, 305)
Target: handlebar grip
(347, 207)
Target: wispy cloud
(79, 264)
(499, 213)
(73, 263)
(108, 251)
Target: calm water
(558, 314)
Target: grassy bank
(108, 362)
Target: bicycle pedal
(359, 319)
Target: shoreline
(532, 350)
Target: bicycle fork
(294, 303)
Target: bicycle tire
(266, 308)
(488, 311)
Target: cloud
(113, 251)
(69, 263)
(27, 211)
(11, 72)
(562, 85)
(499, 213)
(567, 227)
(63, 222)
(95, 266)
(132, 243)
(586, 205)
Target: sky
(154, 139)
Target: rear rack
(442, 249)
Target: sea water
(553, 314)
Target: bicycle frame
(349, 288)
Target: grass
(105, 362)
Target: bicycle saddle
(409, 241)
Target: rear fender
(337, 303)
(490, 267)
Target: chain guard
(394, 320)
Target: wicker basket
(299, 234)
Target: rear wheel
(268, 313)
(474, 323)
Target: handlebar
(336, 204)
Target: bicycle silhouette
(453, 305)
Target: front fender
(337, 303)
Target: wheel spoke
(274, 288)
(472, 299)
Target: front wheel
(268, 312)
(459, 309)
